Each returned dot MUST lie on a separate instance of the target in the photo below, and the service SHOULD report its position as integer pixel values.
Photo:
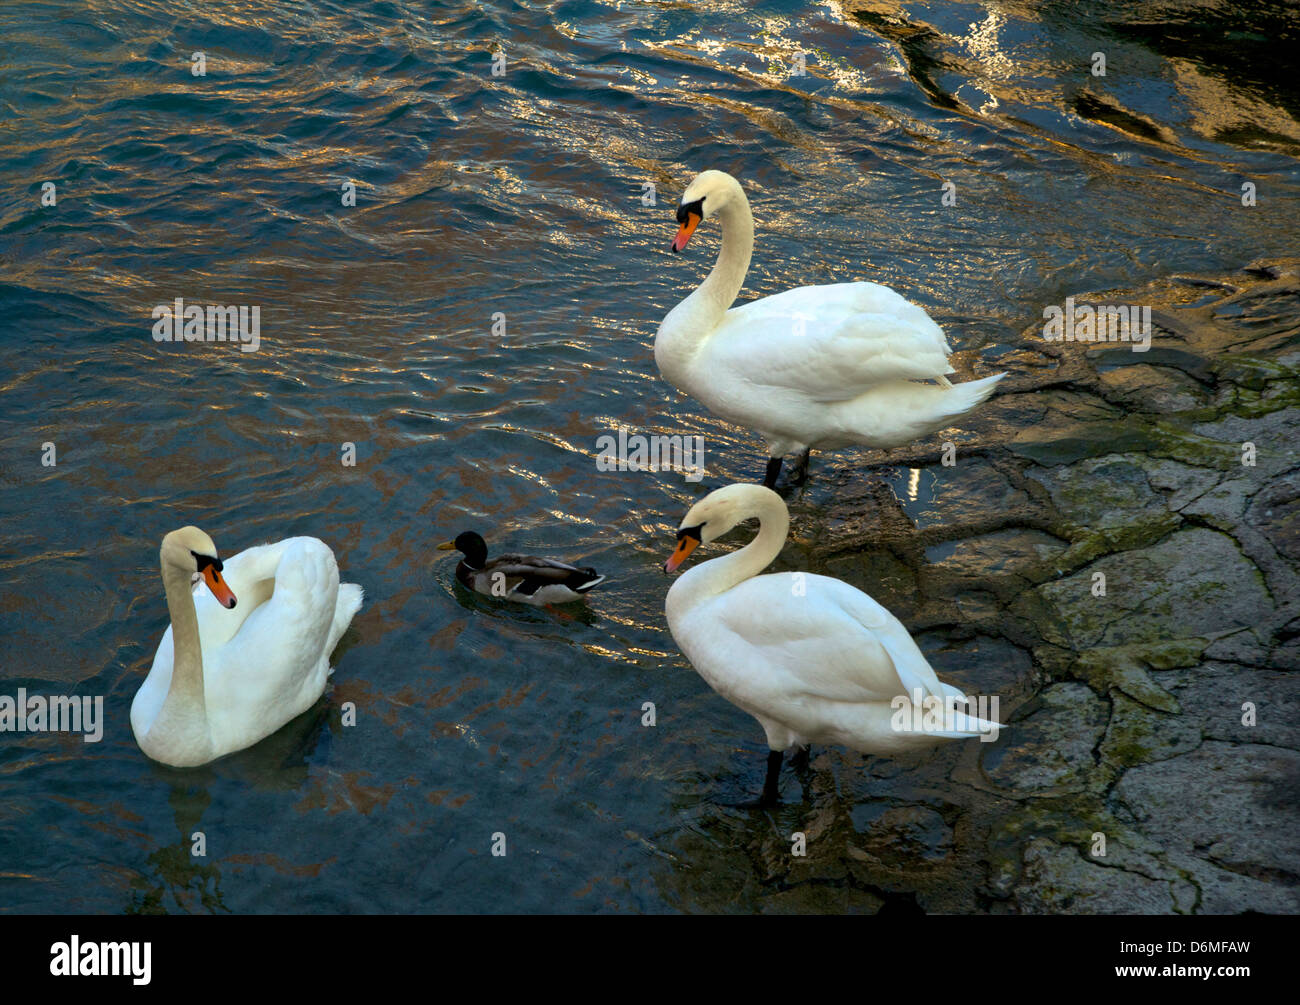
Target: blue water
(519, 195)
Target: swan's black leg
(773, 469)
(801, 470)
(770, 795)
(800, 758)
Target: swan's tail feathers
(943, 382)
(591, 584)
(915, 682)
(961, 398)
(970, 723)
(972, 727)
(347, 604)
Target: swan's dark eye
(692, 532)
(686, 208)
(203, 561)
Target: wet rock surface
(1115, 554)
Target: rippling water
(522, 195)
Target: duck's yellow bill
(447, 546)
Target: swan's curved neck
(186, 690)
(691, 321)
(722, 285)
(718, 575)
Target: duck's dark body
(522, 578)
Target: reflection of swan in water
(192, 881)
(180, 881)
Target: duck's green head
(469, 544)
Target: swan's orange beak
(684, 232)
(687, 542)
(218, 587)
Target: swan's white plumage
(264, 662)
(812, 658)
(853, 336)
(813, 367)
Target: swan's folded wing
(830, 642)
(830, 342)
(250, 574)
(281, 642)
(910, 665)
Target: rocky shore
(1131, 779)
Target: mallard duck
(815, 367)
(522, 578)
(227, 675)
(812, 658)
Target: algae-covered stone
(1012, 550)
(1194, 583)
(1234, 805)
(1059, 880)
(1183, 482)
(1124, 669)
(1274, 435)
(1051, 748)
(1101, 492)
(1153, 388)
(818, 898)
(1226, 891)
(1239, 703)
(1275, 512)
(1063, 439)
(1138, 734)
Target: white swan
(225, 677)
(814, 367)
(810, 657)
